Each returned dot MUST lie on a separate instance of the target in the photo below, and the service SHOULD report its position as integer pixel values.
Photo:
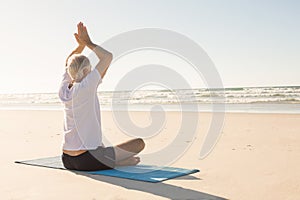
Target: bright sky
(251, 42)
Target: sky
(251, 42)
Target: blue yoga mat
(148, 173)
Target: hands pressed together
(82, 37)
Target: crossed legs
(125, 152)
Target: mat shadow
(160, 189)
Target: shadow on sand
(159, 189)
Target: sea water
(243, 99)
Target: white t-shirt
(82, 121)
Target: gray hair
(77, 63)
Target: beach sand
(257, 157)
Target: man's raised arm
(104, 56)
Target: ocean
(284, 99)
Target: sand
(257, 157)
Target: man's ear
(86, 71)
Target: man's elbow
(109, 56)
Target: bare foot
(129, 161)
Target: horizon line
(237, 87)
